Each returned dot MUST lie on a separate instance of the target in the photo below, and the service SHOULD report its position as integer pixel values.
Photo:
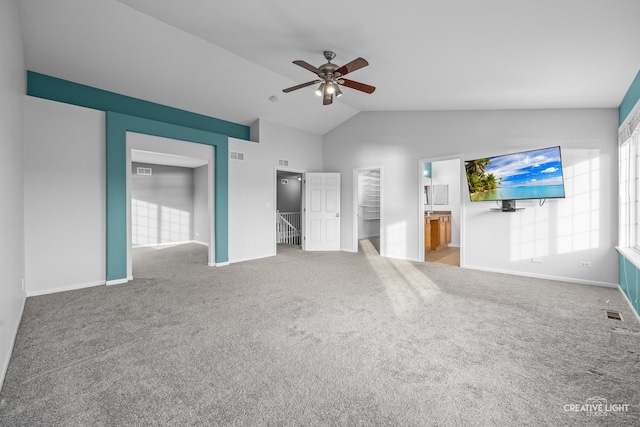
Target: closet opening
(368, 210)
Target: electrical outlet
(536, 259)
(586, 264)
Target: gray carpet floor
(330, 339)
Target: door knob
(337, 214)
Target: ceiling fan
(330, 78)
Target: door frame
(354, 226)
(420, 213)
(275, 204)
(178, 147)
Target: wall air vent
(144, 171)
(283, 162)
(236, 155)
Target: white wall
(65, 190)
(200, 205)
(252, 183)
(557, 231)
(64, 196)
(162, 204)
(12, 89)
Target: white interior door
(322, 212)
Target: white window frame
(629, 185)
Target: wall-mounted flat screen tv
(535, 174)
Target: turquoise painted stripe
(116, 145)
(48, 87)
(630, 281)
(630, 99)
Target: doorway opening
(441, 210)
(289, 209)
(170, 194)
(367, 184)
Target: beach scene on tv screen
(533, 174)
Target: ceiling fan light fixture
(330, 88)
(330, 76)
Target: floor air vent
(615, 315)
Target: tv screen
(535, 174)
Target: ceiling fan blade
(307, 66)
(352, 66)
(327, 99)
(300, 86)
(358, 86)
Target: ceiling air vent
(144, 171)
(283, 162)
(236, 155)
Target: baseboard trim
(221, 264)
(182, 242)
(250, 259)
(5, 366)
(118, 281)
(626, 298)
(544, 276)
(65, 288)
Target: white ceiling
(225, 58)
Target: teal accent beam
(48, 87)
(630, 282)
(630, 99)
(116, 146)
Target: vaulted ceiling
(226, 58)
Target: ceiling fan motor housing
(328, 69)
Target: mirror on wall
(437, 194)
(441, 194)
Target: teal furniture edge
(117, 126)
(55, 89)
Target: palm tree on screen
(476, 178)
